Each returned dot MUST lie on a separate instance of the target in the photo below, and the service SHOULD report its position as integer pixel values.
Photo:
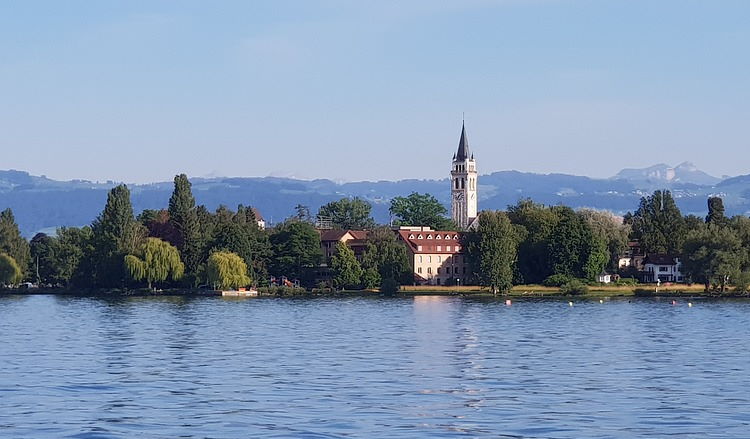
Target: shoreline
(517, 292)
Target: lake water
(371, 367)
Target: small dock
(242, 292)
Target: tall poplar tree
(716, 212)
(184, 219)
(114, 234)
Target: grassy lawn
(541, 290)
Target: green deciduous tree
(296, 250)
(239, 233)
(349, 213)
(420, 210)
(610, 231)
(493, 251)
(227, 270)
(385, 258)
(537, 222)
(573, 248)
(157, 261)
(713, 255)
(658, 224)
(10, 272)
(347, 272)
(11, 241)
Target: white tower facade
(464, 184)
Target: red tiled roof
(430, 240)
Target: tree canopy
(346, 270)
(10, 272)
(226, 270)
(156, 262)
(658, 224)
(420, 210)
(296, 249)
(349, 213)
(492, 249)
(12, 243)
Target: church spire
(463, 145)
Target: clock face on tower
(458, 196)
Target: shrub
(557, 280)
(741, 282)
(627, 281)
(389, 286)
(574, 287)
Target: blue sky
(137, 91)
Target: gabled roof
(424, 242)
(258, 216)
(332, 235)
(463, 146)
(338, 235)
(660, 259)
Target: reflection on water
(366, 367)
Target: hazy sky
(137, 91)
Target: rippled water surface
(363, 367)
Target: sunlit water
(381, 368)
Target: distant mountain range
(40, 203)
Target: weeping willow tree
(10, 272)
(158, 261)
(227, 270)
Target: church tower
(464, 183)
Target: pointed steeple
(463, 145)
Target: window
(429, 258)
(420, 237)
(439, 248)
(663, 269)
(411, 236)
(440, 258)
(438, 237)
(429, 270)
(419, 248)
(447, 248)
(420, 259)
(429, 236)
(419, 270)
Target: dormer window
(420, 237)
(429, 236)
(438, 237)
(411, 236)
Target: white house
(661, 267)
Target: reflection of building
(436, 256)
(662, 267)
(463, 184)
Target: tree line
(554, 245)
(186, 245)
